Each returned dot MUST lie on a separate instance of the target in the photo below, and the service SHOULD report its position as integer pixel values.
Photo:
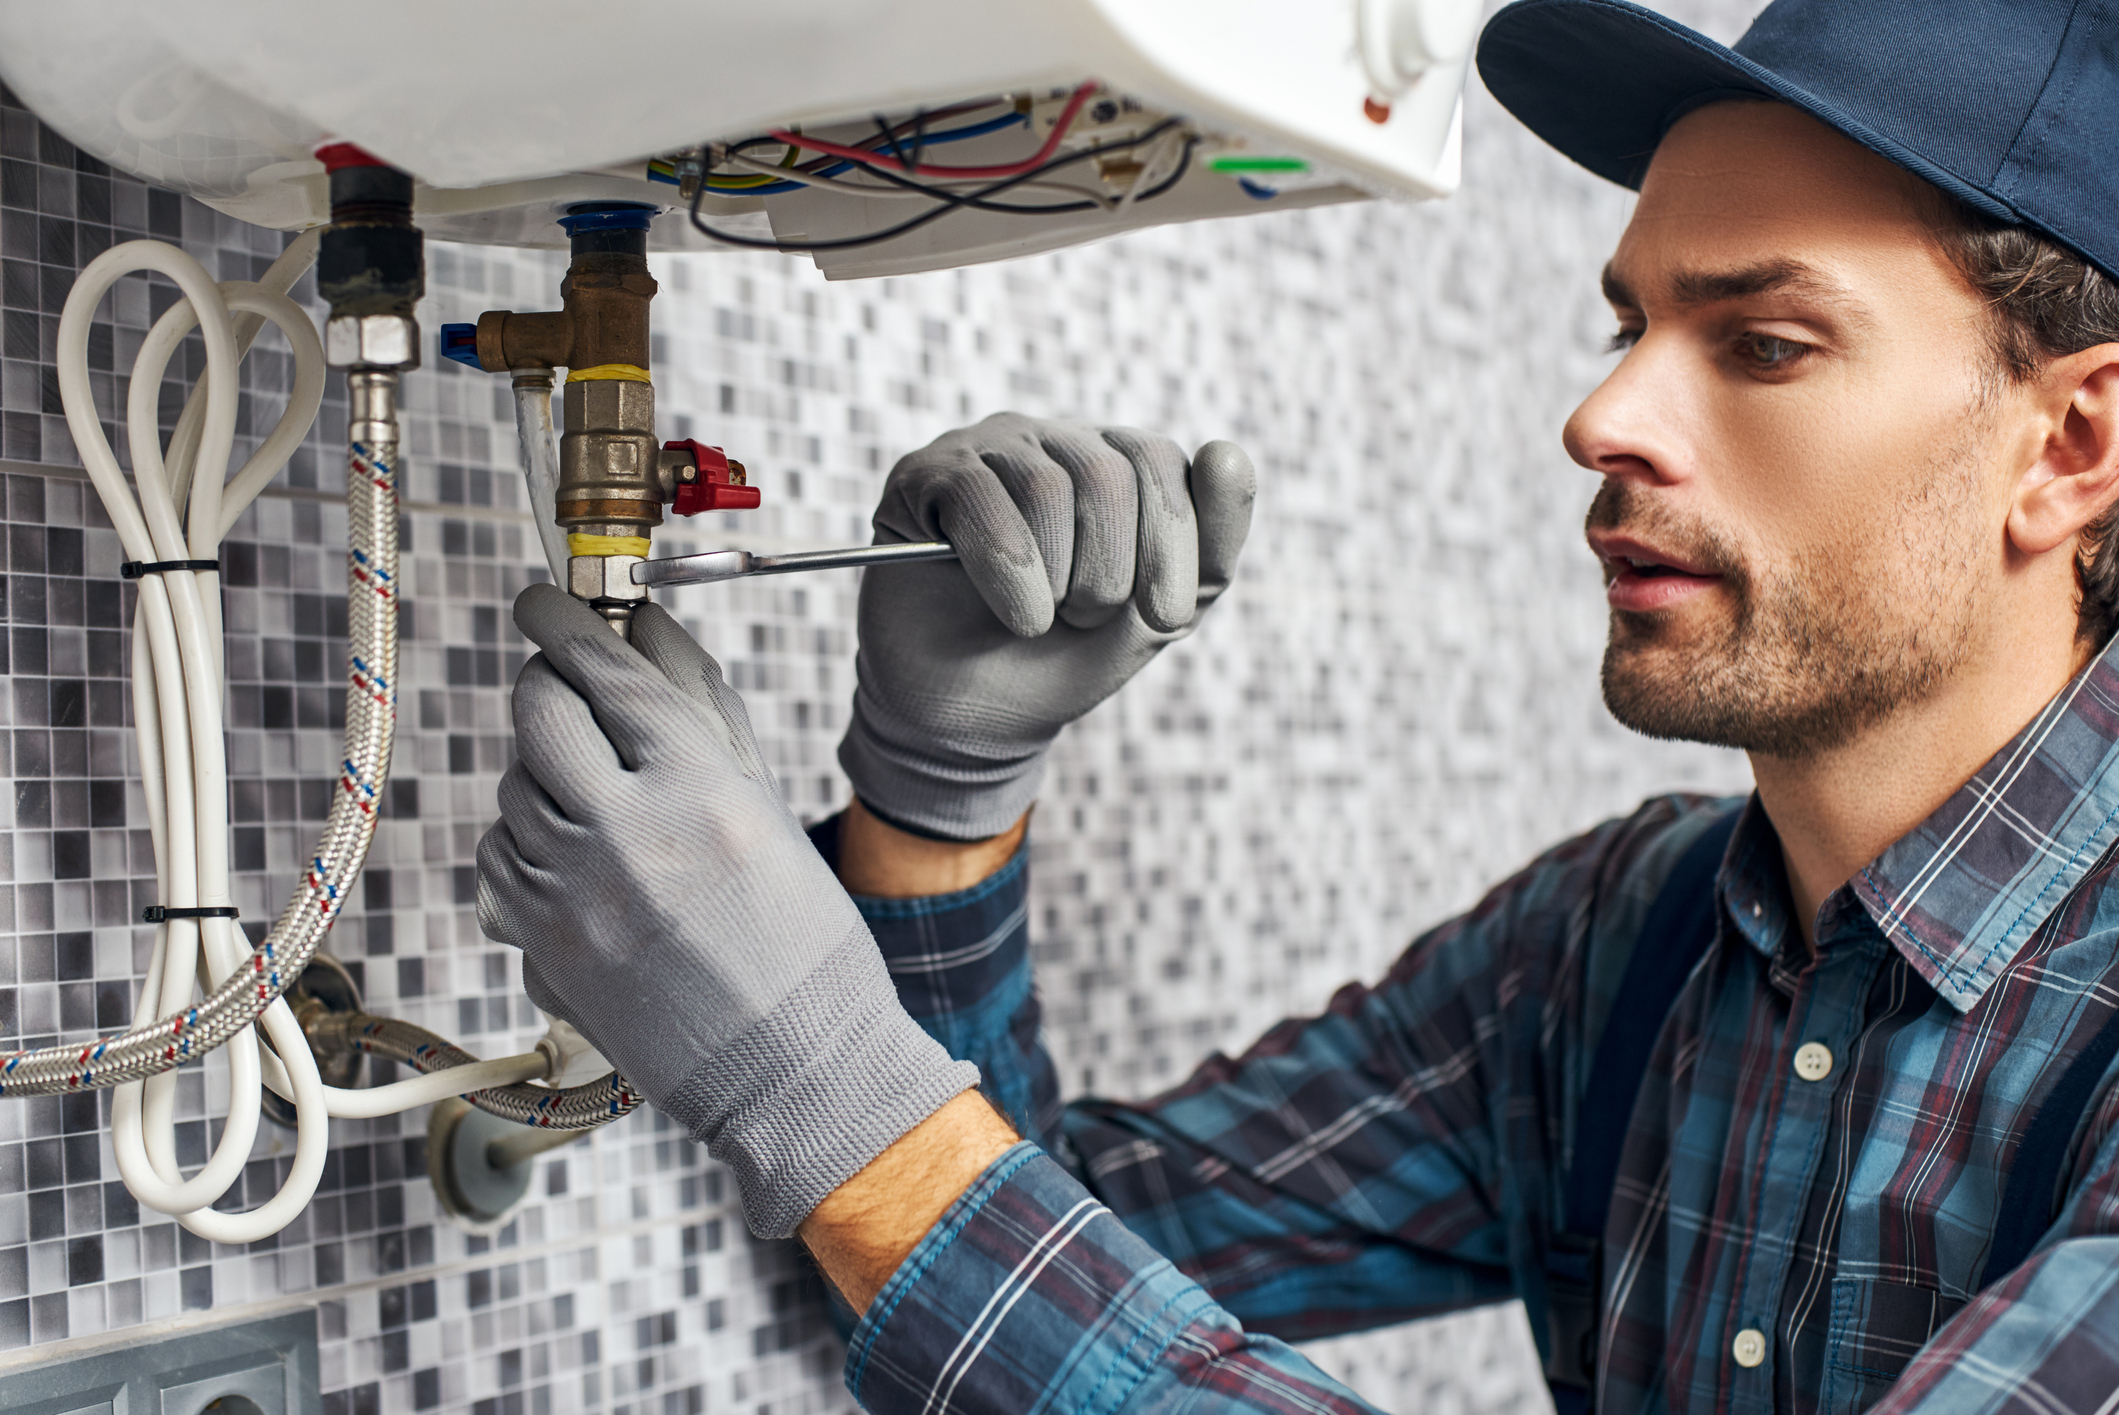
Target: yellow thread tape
(609, 373)
(607, 545)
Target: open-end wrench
(713, 565)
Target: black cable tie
(156, 913)
(134, 569)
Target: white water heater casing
(508, 114)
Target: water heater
(508, 114)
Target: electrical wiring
(952, 201)
(1008, 169)
(661, 170)
(907, 190)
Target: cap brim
(1603, 80)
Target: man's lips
(1641, 577)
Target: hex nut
(604, 577)
(378, 341)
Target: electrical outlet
(264, 1367)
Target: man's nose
(1628, 427)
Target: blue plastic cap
(460, 342)
(607, 216)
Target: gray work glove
(670, 907)
(1081, 552)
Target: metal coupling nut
(595, 577)
(377, 341)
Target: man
(1835, 1135)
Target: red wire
(881, 159)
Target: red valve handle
(719, 484)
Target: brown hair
(2047, 302)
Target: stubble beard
(1800, 664)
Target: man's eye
(1769, 351)
(1623, 340)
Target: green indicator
(1238, 162)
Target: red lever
(335, 155)
(717, 484)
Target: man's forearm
(865, 1228)
(881, 861)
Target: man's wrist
(878, 859)
(864, 1229)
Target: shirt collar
(1960, 893)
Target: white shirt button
(1749, 1348)
(1813, 1061)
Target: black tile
(106, 805)
(45, 1163)
(47, 1214)
(62, 550)
(25, 499)
(53, 150)
(18, 284)
(165, 214)
(106, 659)
(83, 1165)
(120, 1208)
(21, 437)
(27, 649)
(197, 1287)
(27, 602)
(70, 856)
(19, 334)
(77, 1007)
(18, 185)
(25, 548)
(69, 702)
(113, 1004)
(84, 1261)
(92, 199)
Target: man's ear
(2076, 476)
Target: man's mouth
(1641, 578)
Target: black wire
(1018, 209)
(890, 140)
(950, 201)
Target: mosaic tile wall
(1395, 705)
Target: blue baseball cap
(2011, 106)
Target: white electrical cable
(185, 504)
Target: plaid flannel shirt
(1778, 1239)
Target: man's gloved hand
(1081, 552)
(670, 907)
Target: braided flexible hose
(342, 847)
(574, 1108)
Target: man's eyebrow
(1706, 287)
